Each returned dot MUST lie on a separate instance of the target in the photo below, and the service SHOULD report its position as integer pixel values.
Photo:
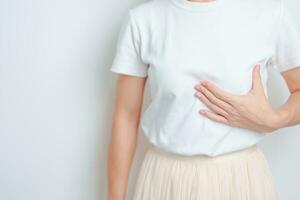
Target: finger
(212, 98)
(257, 85)
(212, 106)
(218, 92)
(214, 116)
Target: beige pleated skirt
(239, 175)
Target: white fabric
(179, 43)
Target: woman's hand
(251, 111)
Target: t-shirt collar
(198, 6)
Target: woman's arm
(123, 137)
(289, 113)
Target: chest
(204, 39)
(223, 48)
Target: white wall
(56, 101)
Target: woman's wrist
(115, 196)
(281, 118)
(116, 193)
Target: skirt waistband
(205, 158)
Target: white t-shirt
(178, 43)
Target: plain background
(56, 102)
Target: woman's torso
(185, 44)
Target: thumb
(257, 85)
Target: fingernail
(198, 94)
(202, 111)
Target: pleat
(165, 176)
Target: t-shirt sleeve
(127, 59)
(287, 53)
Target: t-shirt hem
(127, 72)
(289, 66)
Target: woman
(207, 67)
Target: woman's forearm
(121, 153)
(289, 112)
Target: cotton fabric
(178, 43)
(241, 175)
